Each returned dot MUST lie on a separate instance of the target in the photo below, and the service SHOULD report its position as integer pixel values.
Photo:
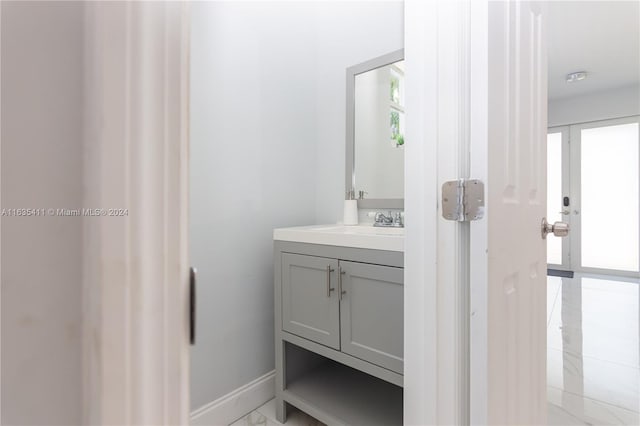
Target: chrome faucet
(391, 221)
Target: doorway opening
(593, 348)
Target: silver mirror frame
(350, 180)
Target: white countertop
(360, 236)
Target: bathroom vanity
(339, 323)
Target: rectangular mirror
(375, 132)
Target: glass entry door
(594, 185)
(558, 195)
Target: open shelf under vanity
(337, 394)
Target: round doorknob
(559, 229)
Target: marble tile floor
(593, 355)
(593, 350)
(266, 416)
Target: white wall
(41, 256)
(620, 102)
(252, 132)
(267, 150)
(348, 33)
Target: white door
(508, 253)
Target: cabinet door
(372, 312)
(310, 303)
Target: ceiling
(599, 37)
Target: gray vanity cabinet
(339, 333)
(354, 307)
(310, 306)
(371, 312)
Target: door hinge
(463, 200)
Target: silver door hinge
(463, 200)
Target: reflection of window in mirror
(396, 103)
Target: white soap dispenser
(350, 208)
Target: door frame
(446, 44)
(135, 266)
(121, 323)
(445, 62)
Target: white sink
(362, 236)
(361, 230)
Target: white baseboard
(229, 408)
